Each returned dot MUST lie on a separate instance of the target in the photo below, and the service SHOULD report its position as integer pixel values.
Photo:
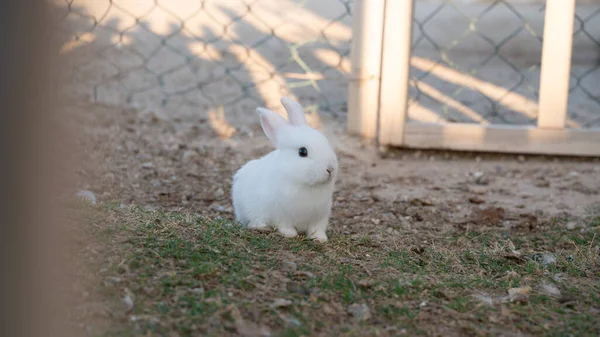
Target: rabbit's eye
(303, 152)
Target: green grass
(187, 274)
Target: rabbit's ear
(272, 124)
(294, 110)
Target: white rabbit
(291, 188)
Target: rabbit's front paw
(288, 232)
(259, 226)
(318, 235)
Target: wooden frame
(499, 138)
(378, 94)
(395, 59)
(367, 30)
(556, 63)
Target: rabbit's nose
(329, 170)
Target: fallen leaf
(421, 202)
(476, 200)
(514, 255)
(490, 215)
(304, 274)
(511, 245)
(550, 289)
(520, 294)
(484, 298)
(280, 302)
(366, 283)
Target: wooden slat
(509, 139)
(363, 90)
(395, 70)
(556, 63)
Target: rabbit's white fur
(282, 189)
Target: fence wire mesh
(473, 61)
(188, 59)
(479, 62)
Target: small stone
(114, 279)
(292, 322)
(219, 193)
(128, 301)
(483, 180)
(189, 155)
(548, 259)
(88, 196)
(360, 312)
(330, 309)
(542, 183)
(219, 208)
(131, 146)
(289, 266)
(298, 288)
(477, 190)
(571, 225)
(545, 259)
(521, 159)
(147, 165)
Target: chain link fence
(479, 62)
(473, 61)
(189, 59)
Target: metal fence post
(556, 64)
(363, 90)
(395, 71)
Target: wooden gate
(379, 89)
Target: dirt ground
(399, 198)
(143, 160)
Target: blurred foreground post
(26, 172)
